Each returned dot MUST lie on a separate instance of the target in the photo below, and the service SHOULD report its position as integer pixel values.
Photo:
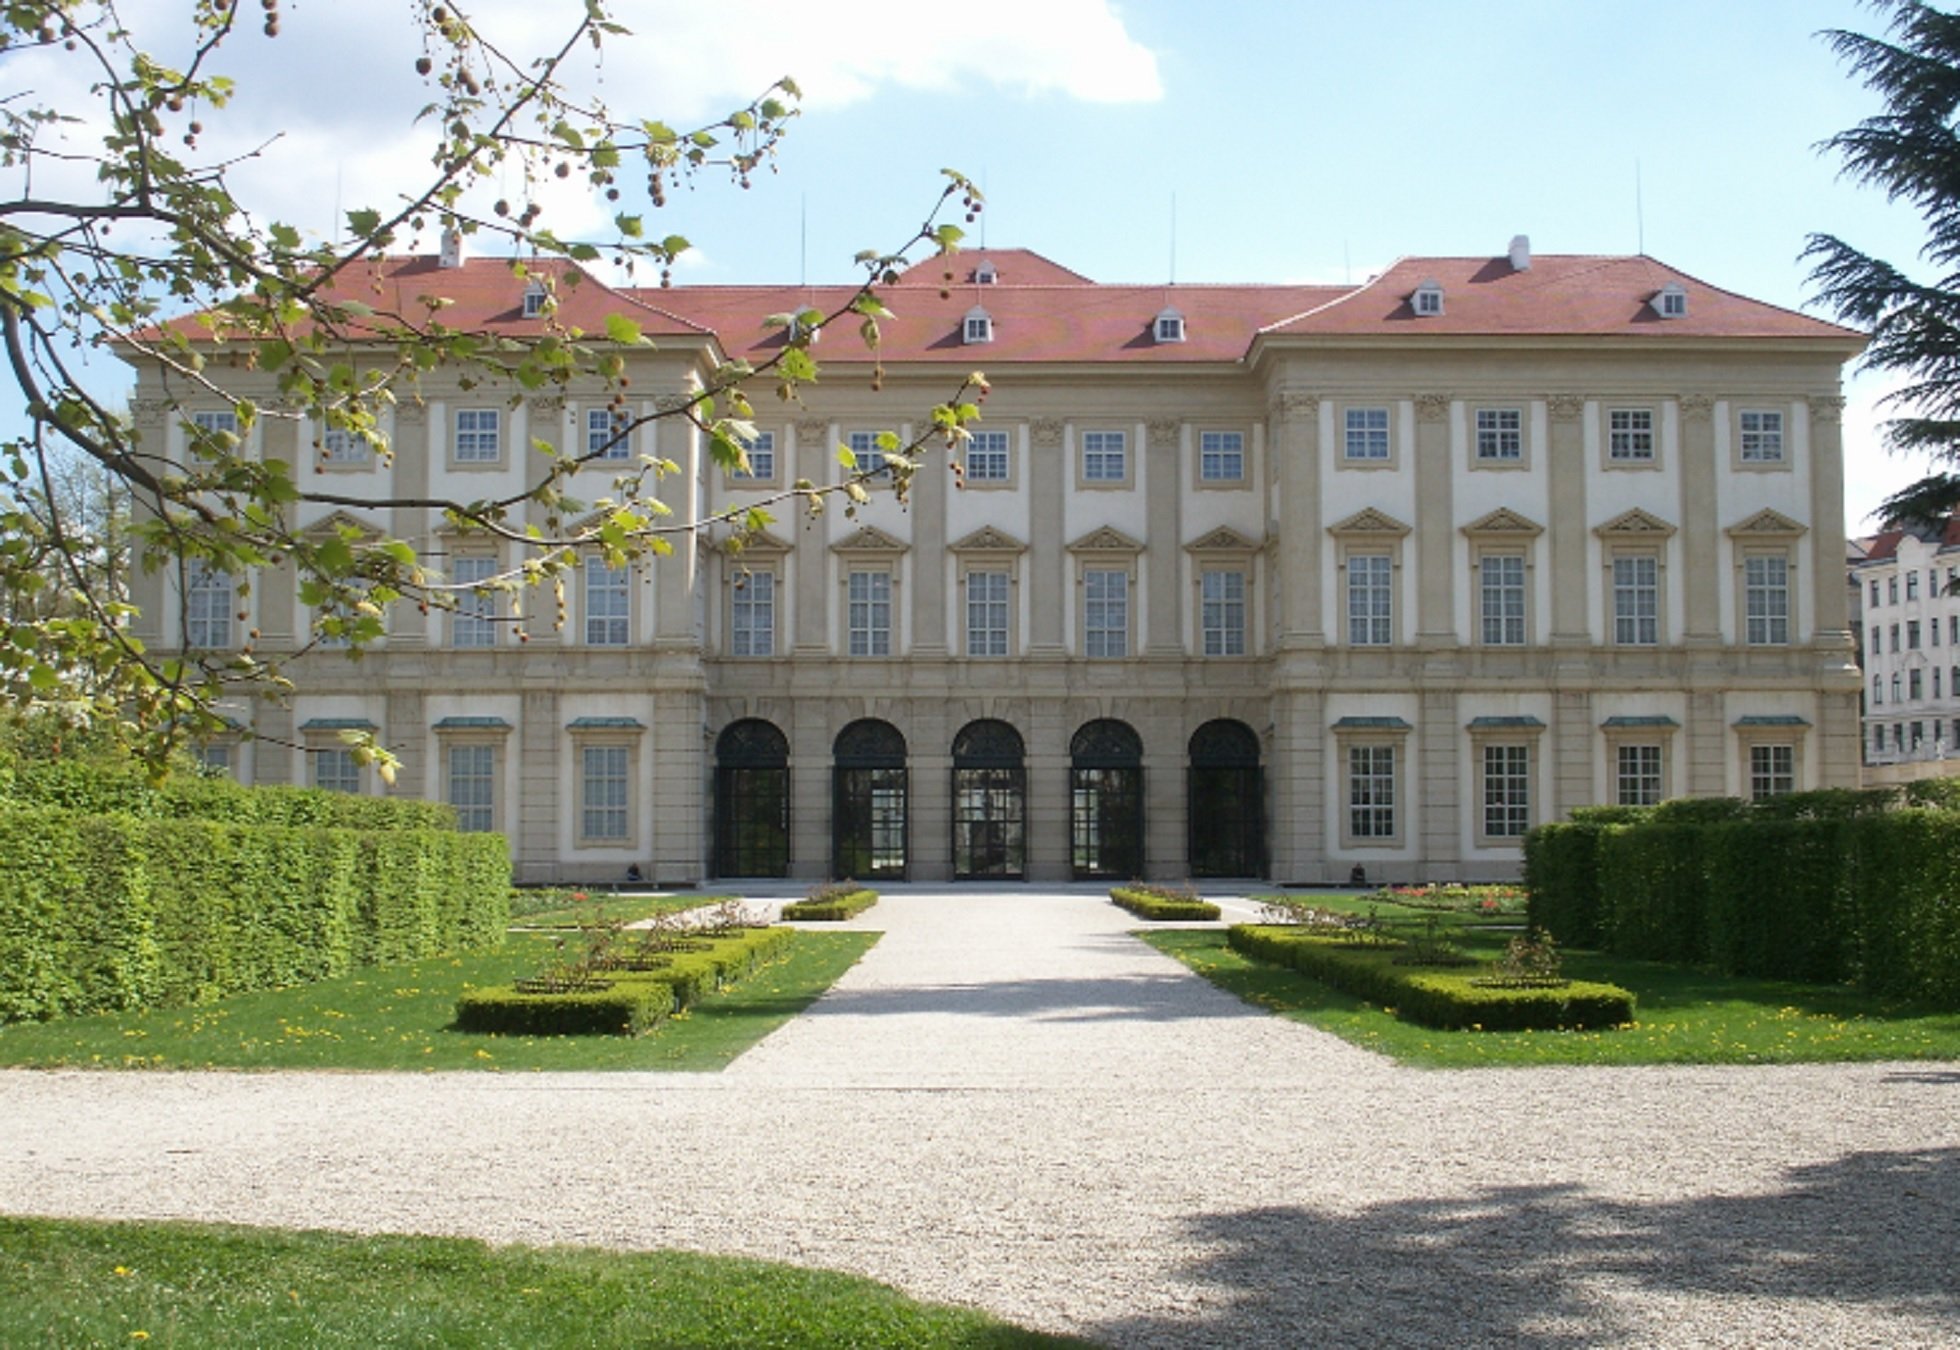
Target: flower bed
(1162, 903)
(1448, 999)
(1483, 901)
(832, 904)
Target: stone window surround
(990, 550)
(493, 464)
(779, 451)
(1503, 533)
(1200, 483)
(1631, 731)
(871, 550)
(1784, 462)
(1767, 534)
(452, 732)
(1131, 450)
(1356, 732)
(474, 546)
(1655, 411)
(582, 596)
(1107, 550)
(1506, 731)
(1526, 413)
(1393, 407)
(1772, 730)
(968, 483)
(1634, 533)
(762, 554)
(322, 734)
(596, 733)
(1370, 533)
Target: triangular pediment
(1766, 524)
(755, 543)
(987, 539)
(1504, 521)
(1369, 521)
(341, 521)
(869, 539)
(1224, 539)
(1105, 539)
(1636, 524)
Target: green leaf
(622, 330)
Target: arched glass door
(1106, 801)
(751, 800)
(868, 802)
(990, 802)
(1226, 802)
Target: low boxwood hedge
(1450, 1000)
(634, 1001)
(831, 908)
(1147, 903)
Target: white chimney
(1520, 253)
(452, 249)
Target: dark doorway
(868, 802)
(1106, 801)
(990, 803)
(751, 800)
(1226, 802)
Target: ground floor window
(1106, 801)
(990, 789)
(869, 802)
(1772, 770)
(1507, 791)
(1637, 775)
(1226, 802)
(473, 786)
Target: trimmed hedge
(1147, 904)
(637, 1000)
(1831, 888)
(96, 788)
(109, 912)
(1449, 1000)
(831, 908)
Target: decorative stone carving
(411, 416)
(670, 403)
(1432, 407)
(547, 405)
(1369, 521)
(1224, 539)
(1766, 524)
(1826, 409)
(1163, 433)
(870, 539)
(987, 539)
(1635, 524)
(1045, 433)
(1294, 403)
(1697, 406)
(1504, 521)
(812, 433)
(1105, 540)
(759, 544)
(1565, 407)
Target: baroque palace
(1236, 581)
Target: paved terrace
(1012, 1104)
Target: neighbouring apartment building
(1235, 580)
(1907, 584)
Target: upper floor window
(987, 458)
(606, 436)
(1170, 326)
(207, 606)
(344, 448)
(534, 298)
(1766, 596)
(1223, 617)
(1105, 613)
(1636, 600)
(1630, 435)
(1500, 434)
(869, 596)
(1366, 434)
(753, 615)
(1428, 299)
(1912, 635)
(474, 620)
(1762, 436)
(865, 448)
(1891, 589)
(216, 421)
(761, 454)
(1370, 593)
(1912, 585)
(1221, 456)
(986, 613)
(1501, 599)
(1105, 456)
(979, 326)
(1874, 592)
(608, 605)
(1671, 302)
(479, 436)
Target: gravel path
(1011, 1104)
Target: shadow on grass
(1868, 1234)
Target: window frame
(1344, 457)
(1104, 482)
(1390, 734)
(611, 443)
(1630, 462)
(1483, 747)
(1242, 451)
(476, 461)
(743, 593)
(618, 632)
(1521, 456)
(974, 482)
(989, 568)
(1747, 561)
(1743, 458)
(472, 608)
(205, 586)
(1124, 573)
(871, 573)
(1225, 632)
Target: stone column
(675, 574)
(150, 418)
(1707, 740)
(1838, 736)
(1573, 735)
(930, 789)
(1297, 772)
(813, 565)
(928, 626)
(809, 807)
(1435, 532)
(276, 589)
(1047, 561)
(1163, 548)
(273, 753)
(680, 789)
(1048, 790)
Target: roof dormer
(979, 327)
(1428, 299)
(986, 274)
(534, 299)
(1169, 326)
(1670, 301)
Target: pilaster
(1700, 535)
(1565, 468)
(1163, 485)
(1435, 529)
(1295, 448)
(813, 439)
(408, 626)
(1047, 555)
(406, 734)
(675, 574)
(541, 741)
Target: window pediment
(1635, 524)
(1106, 539)
(1766, 524)
(987, 539)
(1503, 523)
(761, 544)
(340, 523)
(1369, 523)
(870, 541)
(1224, 539)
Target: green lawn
(1683, 1016)
(397, 1017)
(599, 907)
(197, 1285)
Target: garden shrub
(1163, 903)
(832, 903)
(1653, 880)
(113, 787)
(1450, 1000)
(1561, 873)
(1775, 898)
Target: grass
(600, 908)
(201, 1285)
(1683, 1016)
(397, 1017)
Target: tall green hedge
(96, 787)
(1829, 888)
(102, 912)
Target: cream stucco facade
(1371, 592)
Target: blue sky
(1304, 141)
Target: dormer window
(979, 326)
(1671, 301)
(1428, 299)
(534, 295)
(800, 331)
(986, 274)
(1169, 326)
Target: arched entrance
(990, 802)
(1106, 801)
(751, 800)
(868, 802)
(1226, 802)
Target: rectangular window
(473, 786)
(474, 622)
(1878, 642)
(1507, 791)
(1221, 456)
(761, 453)
(1762, 437)
(1636, 601)
(1369, 595)
(603, 785)
(987, 458)
(986, 613)
(1915, 686)
(870, 457)
(1772, 770)
(214, 758)
(1892, 590)
(1895, 637)
(1367, 434)
(871, 613)
(1223, 616)
(1501, 587)
(1105, 613)
(1766, 594)
(1936, 682)
(1500, 435)
(1953, 630)
(208, 602)
(215, 422)
(1918, 734)
(1638, 775)
(606, 437)
(1630, 435)
(479, 436)
(343, 449)
(334, 770)
(608, 605)
(1105, 456)
(1912, 635)
(1371, 791)
(1874, 593)
(1912, 585)
(753, 615)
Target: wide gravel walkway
(1010, 1103)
